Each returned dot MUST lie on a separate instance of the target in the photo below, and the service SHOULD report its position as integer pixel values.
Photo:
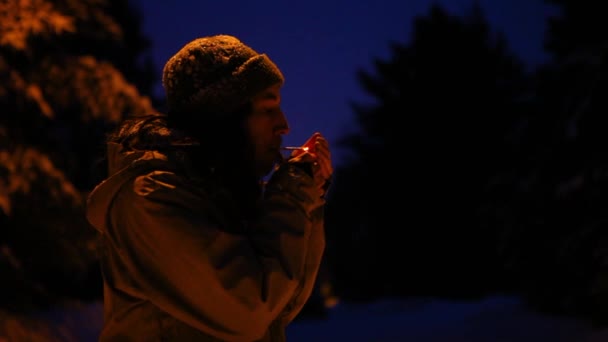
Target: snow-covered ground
(490, 320)
(414, 320)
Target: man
(195, 247)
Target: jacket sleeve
(309, 277)
(315, 245)
(231, 286)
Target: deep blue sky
(319, 44)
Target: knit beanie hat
(215, 75)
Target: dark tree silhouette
(470, 176)
(558, 252)
(414, 211)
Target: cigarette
(295, 148)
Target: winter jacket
(174, 268)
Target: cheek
(260, 128)
(253, 130)
(258, 135)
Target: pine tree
(412, 213)
(559, 251)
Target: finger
(320, 141)
(324, 157)
(321, 147)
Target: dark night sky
(319, 45)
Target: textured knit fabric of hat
(216, 74)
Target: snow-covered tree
(69, 71)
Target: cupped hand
(316, 152)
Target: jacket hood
(133, 149)
(145, 144)
(123, 166)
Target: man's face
(266, 126)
